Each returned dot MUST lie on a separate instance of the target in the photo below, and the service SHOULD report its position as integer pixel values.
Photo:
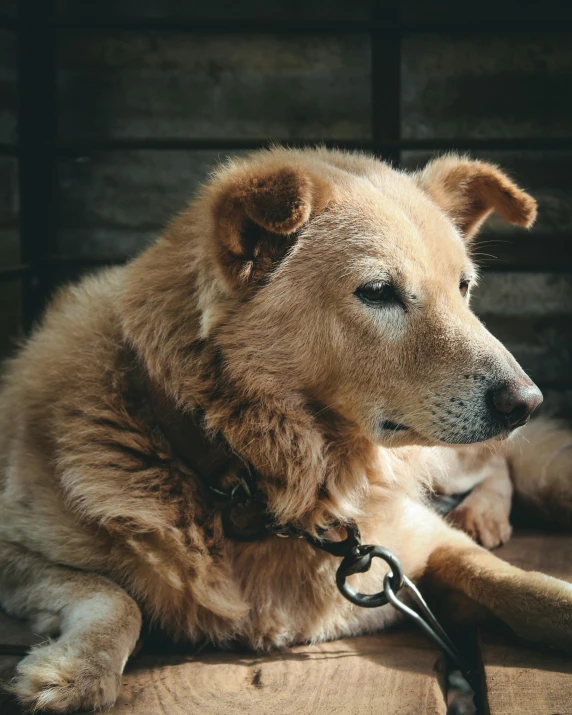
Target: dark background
(111, 112)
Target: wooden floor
(396, 673)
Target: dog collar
(208, 455)
(229, 479)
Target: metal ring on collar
(245, 535)
(360, 562)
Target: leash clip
(357, 558)
(360, 563)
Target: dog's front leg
(484, 513)
(536, 606)
(98, 626)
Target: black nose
(513, 403)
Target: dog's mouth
(496, 432)
(393, 426)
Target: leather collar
(228, 478)
(209, 456)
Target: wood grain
(539, 551)
(436, 68)
(168, 85)
(521, 679)
(393, 674)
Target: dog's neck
(313, 469)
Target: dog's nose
(513, 403)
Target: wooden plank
(192, 85)
(112, 203)
(523, 679)
(393, 673)
(456, 86)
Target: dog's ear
(257, 215)
(468, 191)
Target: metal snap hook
(339, 548)
(360, 562)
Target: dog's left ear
(257, 214)
(468, 191)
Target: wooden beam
(390, 673)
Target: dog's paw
(484, 520)
(541, 609)
(61, 678)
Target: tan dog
(314, 305)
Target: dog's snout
(513, 403)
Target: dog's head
(350, 282)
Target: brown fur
(246, 308)
(468, 191)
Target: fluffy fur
(246, 307)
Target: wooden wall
(151, 94)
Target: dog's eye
(464, 287)
(377, 294)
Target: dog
(309, 314)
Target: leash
(245, 517)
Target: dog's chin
(507, 433)
(493, 434)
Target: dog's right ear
(257, 214)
